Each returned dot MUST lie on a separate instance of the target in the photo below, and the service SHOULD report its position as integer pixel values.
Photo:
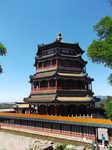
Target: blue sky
(26, 23)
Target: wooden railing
(47, 68)
(69, 68)
(76, 92)
(52, 67)
(44, 90)
(61, 91)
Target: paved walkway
(10, 141)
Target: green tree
(100, 50)
(108, 108)
(3, 52)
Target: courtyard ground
(12, 140)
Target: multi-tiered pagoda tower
(60, 85)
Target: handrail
(59, 88)
(41, 69)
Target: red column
(48, 84)
(56, 62)
(51, 63)
(91, 86)
(42, 66)
(31, 86)
(37, 68)
(38, 85)
(56, 84)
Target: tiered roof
(53, 51)
(54, 73)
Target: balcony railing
(52, 67)
(62, 92)
(69, 68)
(47, 68)
(44, 90)
(72, 92)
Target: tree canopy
(100, 50)
(3, 52)
(108, 108)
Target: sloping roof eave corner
(45, 74)
(42, 99)
(72, 75)
(74, 99)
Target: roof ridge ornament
(59, 37)
(75, 42)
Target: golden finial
(59, 37)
